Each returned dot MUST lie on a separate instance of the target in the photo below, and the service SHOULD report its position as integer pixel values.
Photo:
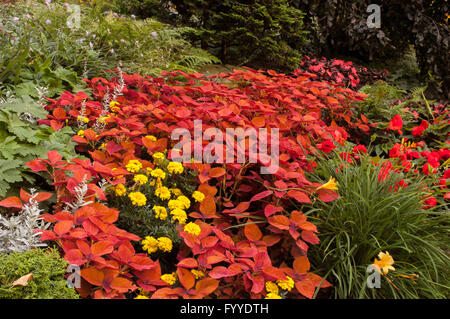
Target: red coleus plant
(15, 202)
(340, 72)
(236, 258)
(86, 233)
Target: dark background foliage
(339, 27)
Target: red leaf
(63, 227)
(208, 207)
(140, 263)
(24, 195)
(273, 273)
(54, 157)
(36, 166)
(93, 276)
(326, 195)
(299, 196)
(43, 196)
(59, 113)
(209, 241)
(259, 121)
(258, 283)
(188, 263)
(301, 265)
(279, 221)
(11, 202)
(306, 288)
(261, 195)
(310, 237)
(219, 272)
(252, 231)
(186, 278)
(75, 257)
(269, 210)
(122, 284)
(206, 286)
(102, 248)
(217, 172)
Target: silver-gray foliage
(20, 232)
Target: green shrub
(258, 34)
(370, 217)
(48, 270)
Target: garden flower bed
(322, 182)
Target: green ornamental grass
(370, 217)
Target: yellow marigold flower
(141, 179)
(120, 190)
(82, 119)
(198, 196)
(186, 202)
(160, 212)
(180, 215)
(169, 278)
(151, 138)
(158, 173)
(198, 273)
(176, 191)
(193, 229)
(137, 198)
(158, 157)
(163, 193)
(165, 244)
(80, 133)
(272, 287)
(287, 284)
(385, 263)
(102, 147)
(175, 203)
(272, 295)
(331, 185)
(102, 119)
(150, 244)
(113, 103)
(141, 297)
(175, 168)
(134, 166)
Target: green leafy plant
(39, 47)
(22, 139)
(373, 215)
(46, 281)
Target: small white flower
(154, 34)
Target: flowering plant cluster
(136, 219)
(340, 72)
(246, 235)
